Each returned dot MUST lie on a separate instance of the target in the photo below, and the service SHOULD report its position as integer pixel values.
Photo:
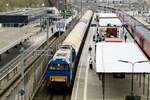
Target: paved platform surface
(33, 41)
(13, 36)
(87, 85)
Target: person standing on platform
(52, 29)
(125, 37)
(90, 63)
(90, 49)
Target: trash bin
(133, 97)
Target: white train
(61, 26)
(61, 68)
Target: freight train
(61, 68)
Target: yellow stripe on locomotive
(58, 79)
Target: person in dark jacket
(125, 37)
(52, 29)
(91, 63)
(90, 49)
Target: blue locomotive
(60, 68)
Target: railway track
(29, 59)
(52, 95)
(59, 97)
(10, 74)
(15, 65)
(44, 93)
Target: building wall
(59, 4)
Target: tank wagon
(61, 68)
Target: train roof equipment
(63, 54)
(108, 56)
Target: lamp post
(123, 23)
(81, 8)
(45, 25)
(43, 5)
(22, 69)
(7, 5)
(132, 63)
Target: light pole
(42, 4)
(132, 63)
(7, 5)
(22, 69)
(47, 29)
(57, 4)
(148, 88)
(123, 26)
(81, 8)
(134, 31)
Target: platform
(13, 36)
(109, 54)
(88, 86)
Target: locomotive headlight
(65, 79)
(58, 78)
(58, 65)
(51, 79)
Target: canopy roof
(109, 54)
(103, 22)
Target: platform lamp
(7, 6)
(22, 69)
(81, 7)
(43, 5)
(132, 63)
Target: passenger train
(62, 25)
(141, 35)
(61, 68)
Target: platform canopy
(117, 58)
(13, 36)
(103, 22)
(107, 15)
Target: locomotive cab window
(59, 67)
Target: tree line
(11, 4)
